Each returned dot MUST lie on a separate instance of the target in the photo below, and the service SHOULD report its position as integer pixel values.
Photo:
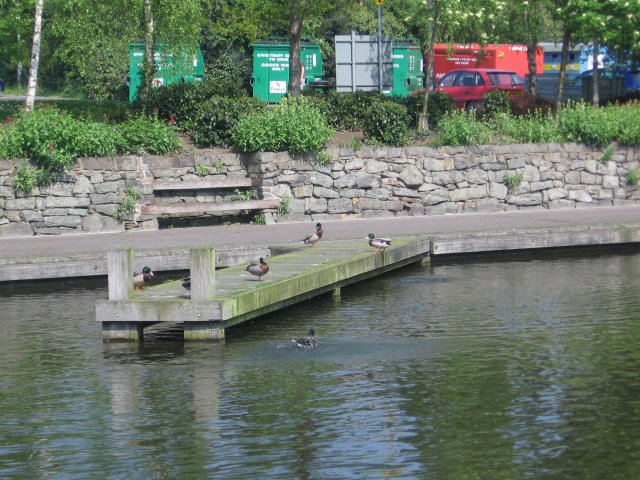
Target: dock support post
(336, 293)
(203, 288)
(120, 273)
(120, 278)
(203, 273)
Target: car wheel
(472, 106)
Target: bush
(460, 127)
(494, 103)
(629, 117)
(386, 122)
(345, 111)
(440, 104)
(55, 139)
(582, 123)
(181, 101)
(293, 125)
(215, 119)
(536, 127)
(147, 134)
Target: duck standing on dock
(258, 268)
(314, 237)
(379, 243)
(307, 342)
(186, 283)
(142, 278)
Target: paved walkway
(278, 234)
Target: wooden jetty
(220, 299)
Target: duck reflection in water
(307, 342)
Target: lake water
(501, 368)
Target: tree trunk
(595, 84)
(149, 49)
(531, 55)
(533, 75)
(296, 69)
(423, 118)
(566, 37)
(35, 58)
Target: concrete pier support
(203, 273)
(202, 331)
(122, 331)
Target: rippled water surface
(527, 368)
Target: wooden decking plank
(201, 184)
(210, 207)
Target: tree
(35, 58)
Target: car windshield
(506, 78)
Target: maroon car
(468, 87)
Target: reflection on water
(526, 368)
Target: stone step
(201, 184)
(181, 208)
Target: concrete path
(287, 233)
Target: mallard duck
(186, 283)
(314, 237)
(258, 268)
(307, 342)
(379, 243)
(142, 278)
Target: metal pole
(380, 48)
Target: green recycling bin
(169, 68)
(407, 69)
(270, 76)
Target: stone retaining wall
(386, 182)
(370, 182)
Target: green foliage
(148, 134)
(589, 125)
(387, 122)
(607, 154)
(54, 139)
(324, 157)
(629, 118)
(460, 127)
(439, 105)
(259, 219)
(213, 121)
(127, 204)
(218, 165)
(241, 196)
(201, 169)
(345, 111)
(495, 102)
(28, 177)
(633, 176)
(512, 180)
(293, 125)
(535, 127)
(283, 206)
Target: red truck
(456, 56)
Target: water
(526, 368)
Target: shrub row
(54, 139)
(577, 122)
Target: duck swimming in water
(142, 278)
(258, 268)
(307, 342)
(314, 237)
(379, 243)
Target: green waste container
(270, 76)
(169, 67)
(407, 69)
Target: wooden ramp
(223, 298)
